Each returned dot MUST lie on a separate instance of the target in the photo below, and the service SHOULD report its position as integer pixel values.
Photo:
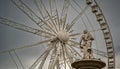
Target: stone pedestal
(88, 64)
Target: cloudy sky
(12, 38)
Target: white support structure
(25, 28)
(23, 7)
(40, 59)
(64, 13)
(76, 18)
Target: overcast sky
(11, 38)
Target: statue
(85, 45)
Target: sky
(12, 38)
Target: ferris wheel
(61, 24)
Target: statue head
(85, 31)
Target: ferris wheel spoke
(78, 34)
(49, 16)
(64, 56)
(41, 10)
(76, 51)
(70, 57)
(91, 31)
(44, 14)
(52, 58)
(19, 59)
(53, 63)
(39, 21)
(13, 59)
(54, 12)
(75, 54)
(74, 42)
(84, 14)
(101, 53)
(26, 46)
(44, 58)
(53, 8)
(47, 29)
(64, 13)
(76, 18)
(73, 50)
(23, 7)
(50, 27)
(25, 28)
(75, 34)
(77, 3)
(78, 12)
(40, 59)
(57, 63)
(69, 65)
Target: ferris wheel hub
(63, 36)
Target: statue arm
(90, 37)
(81, 42)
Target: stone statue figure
(85, 45)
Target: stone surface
(88, 64)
